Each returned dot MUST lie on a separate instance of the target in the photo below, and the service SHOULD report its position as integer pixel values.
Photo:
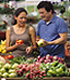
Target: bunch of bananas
(3, 46)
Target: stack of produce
(40, 67)
(49, 66)
(7, 70)
(3, 46)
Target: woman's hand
(18, 45)
(37, 40)
(29, 50)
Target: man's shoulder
(59, 19)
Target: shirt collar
(53, 19)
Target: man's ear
(51, 11)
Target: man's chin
(44, 19)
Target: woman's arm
(33, 38)
(8, 47)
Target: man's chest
(48, 31)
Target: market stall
(46, 68)
(38, 68)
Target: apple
(40, 43)
(14, 65)
(0, 74)
(11, 71)
(1, 63)
(2, 70)
(12, 75)
(0, 66)
(5, 75)
(7, 66)
(19, 41)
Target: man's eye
(41, 12)
(21, 17)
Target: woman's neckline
(21, 33)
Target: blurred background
(7, 8)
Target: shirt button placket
(45, 37)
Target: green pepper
(59, 65)
(42, 66)
(49, 75)
(55, 63)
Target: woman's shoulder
(8, 29)
(31, 28)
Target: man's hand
(42, 42)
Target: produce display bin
(48, 78)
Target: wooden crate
(46, 78)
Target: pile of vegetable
(49, 66)
(40, 67)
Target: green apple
(0, 74)
(0, 66)
(1, 63)
(12, 75)
(14, 65)
(40, 43)
(2, 70)
(11, 71)
(5, 75)
(7, 66)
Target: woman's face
(21, 19)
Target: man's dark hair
(47, 5)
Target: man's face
(46, 16)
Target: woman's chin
(22, 25)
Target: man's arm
(61, 40)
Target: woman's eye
(22, 17)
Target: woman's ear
(15, 17)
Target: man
(52, 30)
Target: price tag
(3, 79)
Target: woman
(20, 31)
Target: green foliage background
(1, 1)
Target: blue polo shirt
(50, 32)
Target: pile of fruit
(3, 46)
(7, 70)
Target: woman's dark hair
(47, 5)
(17, 12)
